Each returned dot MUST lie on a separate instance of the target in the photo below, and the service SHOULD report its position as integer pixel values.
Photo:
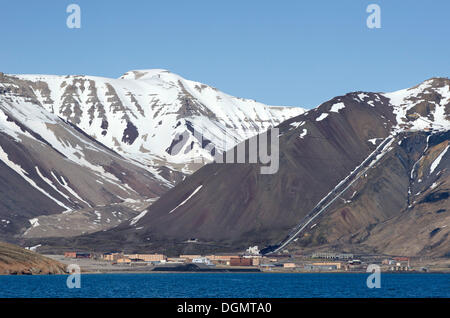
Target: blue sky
(278, 52)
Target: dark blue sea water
(227, 285)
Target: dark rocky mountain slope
(381, 147)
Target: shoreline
(119, 272)
(98, 266)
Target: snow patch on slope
(322, 117)
(438, 159)
(336, 107)
(18, 169)
(182, 203)
(138, 217)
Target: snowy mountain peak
(145, 74)
(424, 106)
(154, 117)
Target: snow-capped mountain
(108, 147)
(355, 162)
(48, 165)
(155, 117)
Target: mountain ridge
(112, 110)
(237, 208)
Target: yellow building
(123, 261)
(337, 264)
(220, 257)
(148, 257)
(112, 257)
(256, 261)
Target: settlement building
(189, 258)
(328, 266)
(77, 255)
(112, 257)
(241, 261)
(221, 259)
(148, 257)
(328, 255)
(202, 260)
(124, 260)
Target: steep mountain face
(324, 155)
(399, 207)
(76, 147)
(49, 166)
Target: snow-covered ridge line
(407, 102)
(150, 116)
